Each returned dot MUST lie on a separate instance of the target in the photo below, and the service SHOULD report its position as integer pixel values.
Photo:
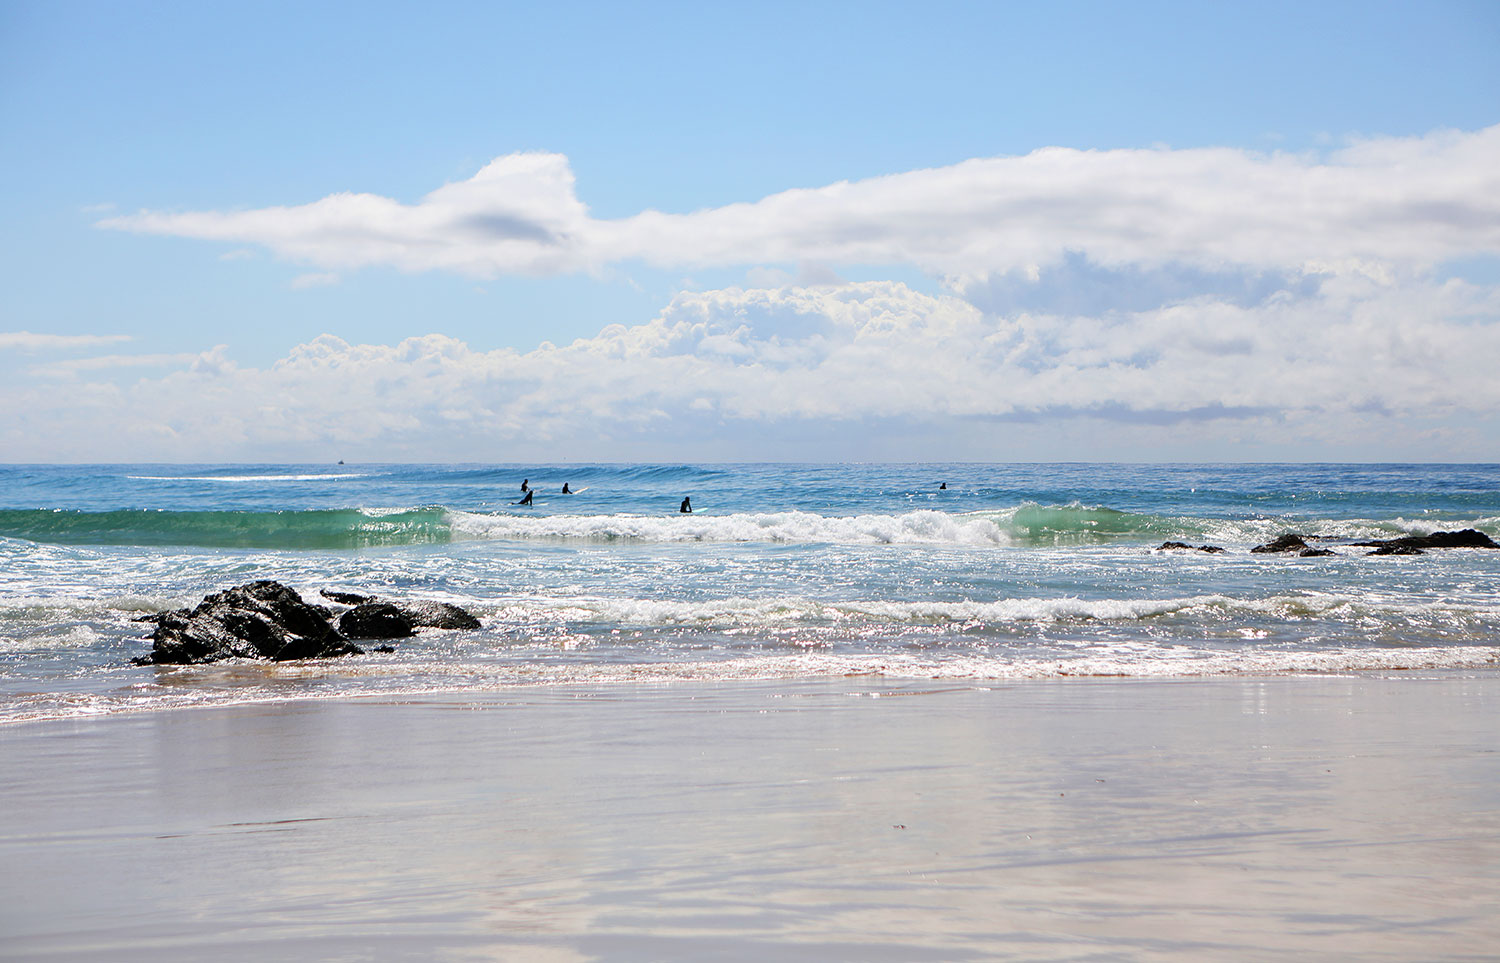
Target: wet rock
(438, 615)
(260, 620)
(376, 620)
(1284, 543)
(1464, 538)
(156, 617)
(1397, 550)
(1165, 546)
(346, 598)
(1316, 552)
(267, 620)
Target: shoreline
(1314, 816)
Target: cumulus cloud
(30, 341)
(1377, 205)
(746, 367)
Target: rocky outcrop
(376, 620)
(1285, 543)
(267, 620)
(1465, 538)
(438, 615)
(261, 620)
(1179, 546)
(397, 620)
(345, 598)
(1397, 550)
(1316, 552)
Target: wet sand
(850, 819)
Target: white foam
(776, 611)
(920, 527)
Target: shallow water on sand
(1311, 818)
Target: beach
(1307, 817)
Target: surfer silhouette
(943, 487)
(527, 499)
(524, 486)
(687, 506)
(565, 490)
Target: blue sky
(149, 311)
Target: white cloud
(741, 373)
(110, 362)
(1378, 205)
(30, 341)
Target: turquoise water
(1012, 571)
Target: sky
(761, 232)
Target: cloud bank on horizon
(1092, 304)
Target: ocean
(781, 572)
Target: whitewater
(977, 572)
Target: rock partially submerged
(397, 620)
(438, 615)
(1465, 538)
(376, 620)
(1289, 542)
(1167, 546)
(1316, 552)
(345, 598)
(261, 620)
(1397, 550)
(267, 620)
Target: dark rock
(346, 598)
(1466, 538)
(1285, 543)
(156, 617)
(260, 620)
(1316, 552)
(1398, 550)
(439, 615)
(386, 649)
(267, 620)
(1192, 548)
(376, 620)
(396, 620)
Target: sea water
(781, 571)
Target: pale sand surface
(848, 819)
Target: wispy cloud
(1394, 203)
(76, 366)
(31, 341)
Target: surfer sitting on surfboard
(565, 490)
(687, 506)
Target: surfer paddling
(526, 500)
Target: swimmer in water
(527, 499)
(687, 506)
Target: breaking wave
(1025, 525)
